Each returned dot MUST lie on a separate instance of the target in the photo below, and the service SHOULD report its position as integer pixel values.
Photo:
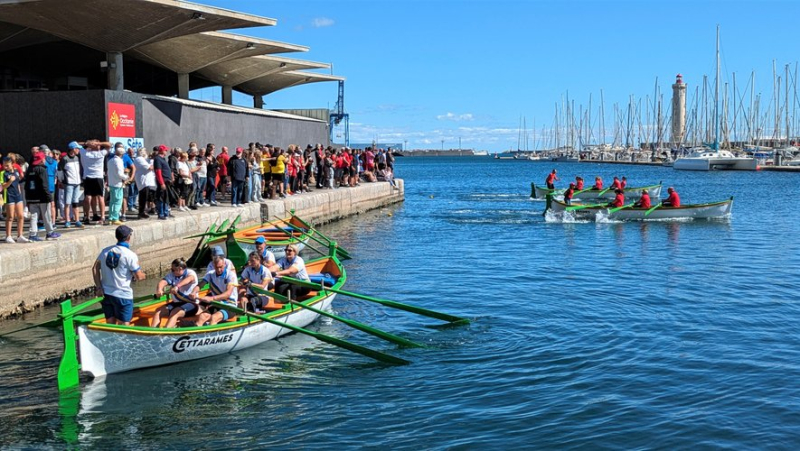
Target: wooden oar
(604, 191)
(581, 207)
(352, 323)
(57, 321)
(312, 236)
(582, 191)
(652, 209)
(386, 302)
(342, 251)
(612, 210)
(377, 355)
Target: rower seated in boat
(267, 257)
(221, 288)
(217, 251)
(598, 184)
(291, 265)
(182, 294)
(579, 183)
(619, 199)
(616, 184)
(673, 200)
(255, 274)
(569, 193)
(644, 200)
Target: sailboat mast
(716, 99)
(786, 102)
(602, 121)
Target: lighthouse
(678, 110)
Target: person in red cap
(673, 200)
(38, 195)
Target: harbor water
(675, 334)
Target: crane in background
(337, 115)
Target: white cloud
(321, 22)
(455, 117)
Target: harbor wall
(36, 274)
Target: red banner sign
(121, 120)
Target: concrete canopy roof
(117, 25)
(277, 81)
(238, 71)
(16, 36)
(187, 54)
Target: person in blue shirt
(131, 193)
(51, 163)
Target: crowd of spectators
(100, 183)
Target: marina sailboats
(712, 158)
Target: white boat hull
(714, 210)
(715, 163)
(107, 352)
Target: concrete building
(64, 78)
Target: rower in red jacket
(619, 199)
(579, 183)
(673, 200)
(551, 180)
(598, 183)
(644, 201)
(615, 185)
(568, 194)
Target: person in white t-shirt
(113, 271)
(93, 157)
(221, 288)
(255, 274)
(183, 291)
(291, 265)
(145, 182)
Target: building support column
(183, 86)
(258, 102)
(116, 81)
(227, 95)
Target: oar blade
(652, 209)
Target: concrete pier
(35, 274)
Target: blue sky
(427, 71)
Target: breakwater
(36, 274)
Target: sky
(433, 74)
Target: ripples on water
(628, 335)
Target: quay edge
(37, 274)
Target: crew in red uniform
(624, 182)
(551, 180)
(568, 194)
(615, 185)
(598, 183)
(673, 200)
(579, 183)
(644, 201)
(619, 199)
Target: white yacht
(705, 159)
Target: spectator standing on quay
(145, 182)
(70, 169)
(201, 176)
(237, 169)
(116, 184)
(223, 158)
(93, 154)
(163, 180)
(38, 195)
(10, 177)
(131, 191)
(51, 163)
(212, 170)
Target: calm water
(609, 335)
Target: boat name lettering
(186, 342)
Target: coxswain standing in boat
(579, 183)
(267, 257)
(619, 199)
(221, 288)
(291, 265)
(644, 200)
(569, 193)
(551, 180)
(598, 184)
(113, 271)
(673, 200)
(182, 294)
(255, 274)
